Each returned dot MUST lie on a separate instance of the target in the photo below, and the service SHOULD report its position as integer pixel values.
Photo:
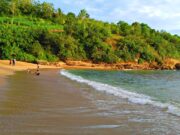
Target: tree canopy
(37, 31)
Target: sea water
(159, 89)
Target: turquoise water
(157, 88)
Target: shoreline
(6, 69)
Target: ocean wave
(117, 91)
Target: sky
(158, 14)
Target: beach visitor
(37, 70)
(37, 66)
(28, 70)
(10, 61)
(14, 62)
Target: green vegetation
(31, 31)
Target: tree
(4, 7)
(47, 10)
(83, 14)
(69, 49)
(145, 30)
(25, 6)
(58, 17)
(14, 8)
(136, 28)
(70, 16)
(114, 28)
(124, 28)
(70, 23)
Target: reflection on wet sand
(51, 104)
(45, 104)
(22, 93)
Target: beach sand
(51, 104)
(6, 69)
(47, 105)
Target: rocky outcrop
(78, 63)
(169, 64)
(57, 64)
(177, 66)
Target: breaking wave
(117, 91)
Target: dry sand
(6, 69)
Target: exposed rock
(154, 66)
(165, 67)
(168, 65)
(78, 63)
(177, 66)
(119, 67)
(128, 66)
(171, 63)
(43, 62)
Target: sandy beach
(46, 104)
(51, 104)
(6, 69)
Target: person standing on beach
(37, 71)
(10, 61)
(14, 62)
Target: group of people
(12, 62)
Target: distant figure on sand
(37, 70)
(14, 62)
(28, 70)
(10, 62)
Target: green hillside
(31, 31)
(27, 22)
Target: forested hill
(31, 31)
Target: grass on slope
(29, 22)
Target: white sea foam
(102, 126)
(117, 91)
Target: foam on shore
(125, 94)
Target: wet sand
(51, 104)
(45, 104)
